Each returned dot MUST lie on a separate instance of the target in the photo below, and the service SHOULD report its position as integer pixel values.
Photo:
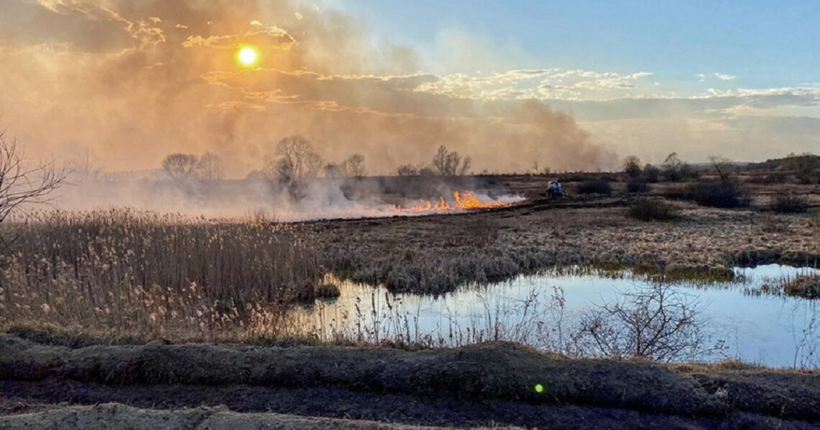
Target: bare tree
(180, 166)
(86, 168)
(407, 170)
(674, 169)
(440, 162)
(209, 166)
(22, 183)
(465, 166)
(354, 166)
(632, 166)
(723, 167)
(295, 159)
(657, 322)
(449, 163)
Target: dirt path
(484, 385)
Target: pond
(769, 329)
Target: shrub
(654, 210)
(595, 187)
(790, 203)
(725, 195)
(632, 166)
(651, 173)
(637, 186)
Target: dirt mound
(115, 416)
(481, 373)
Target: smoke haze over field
(130, 81)
(127, 82)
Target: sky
(569, 84)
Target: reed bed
(139, 273)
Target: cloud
(724, 77)
(269, 38)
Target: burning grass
(461, 200)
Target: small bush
(595, 187)
(726, 195)
(790, 204)
(637, 187)
(654, 210)
(651, 173)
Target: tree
(673, 168)
(448, 163)
(22, 183)
(86, 168)
(656, 322)
(723, 167)
(407, 170)
(465, 166)
(333, 171)
(209, 166)
(354, 166)
(295, 159)
(180, 166)
(632, 166)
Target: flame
(462, 200)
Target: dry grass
(439, 254)
(125, 272)
(654, 210)
(489, 371)
(807, 286)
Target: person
(554, 189)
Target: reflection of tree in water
(805, 323)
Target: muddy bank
(495, 372)
(116, 416)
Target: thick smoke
(133, 80)
(126, 82)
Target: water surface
(773, 330)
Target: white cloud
(701, 77)
(725, 77)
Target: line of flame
(461, 200)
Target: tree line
(296, 159)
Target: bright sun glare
(247, 56)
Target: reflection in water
(543, 311)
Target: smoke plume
(130, 81)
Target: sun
(247, 56)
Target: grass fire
(384, 215)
